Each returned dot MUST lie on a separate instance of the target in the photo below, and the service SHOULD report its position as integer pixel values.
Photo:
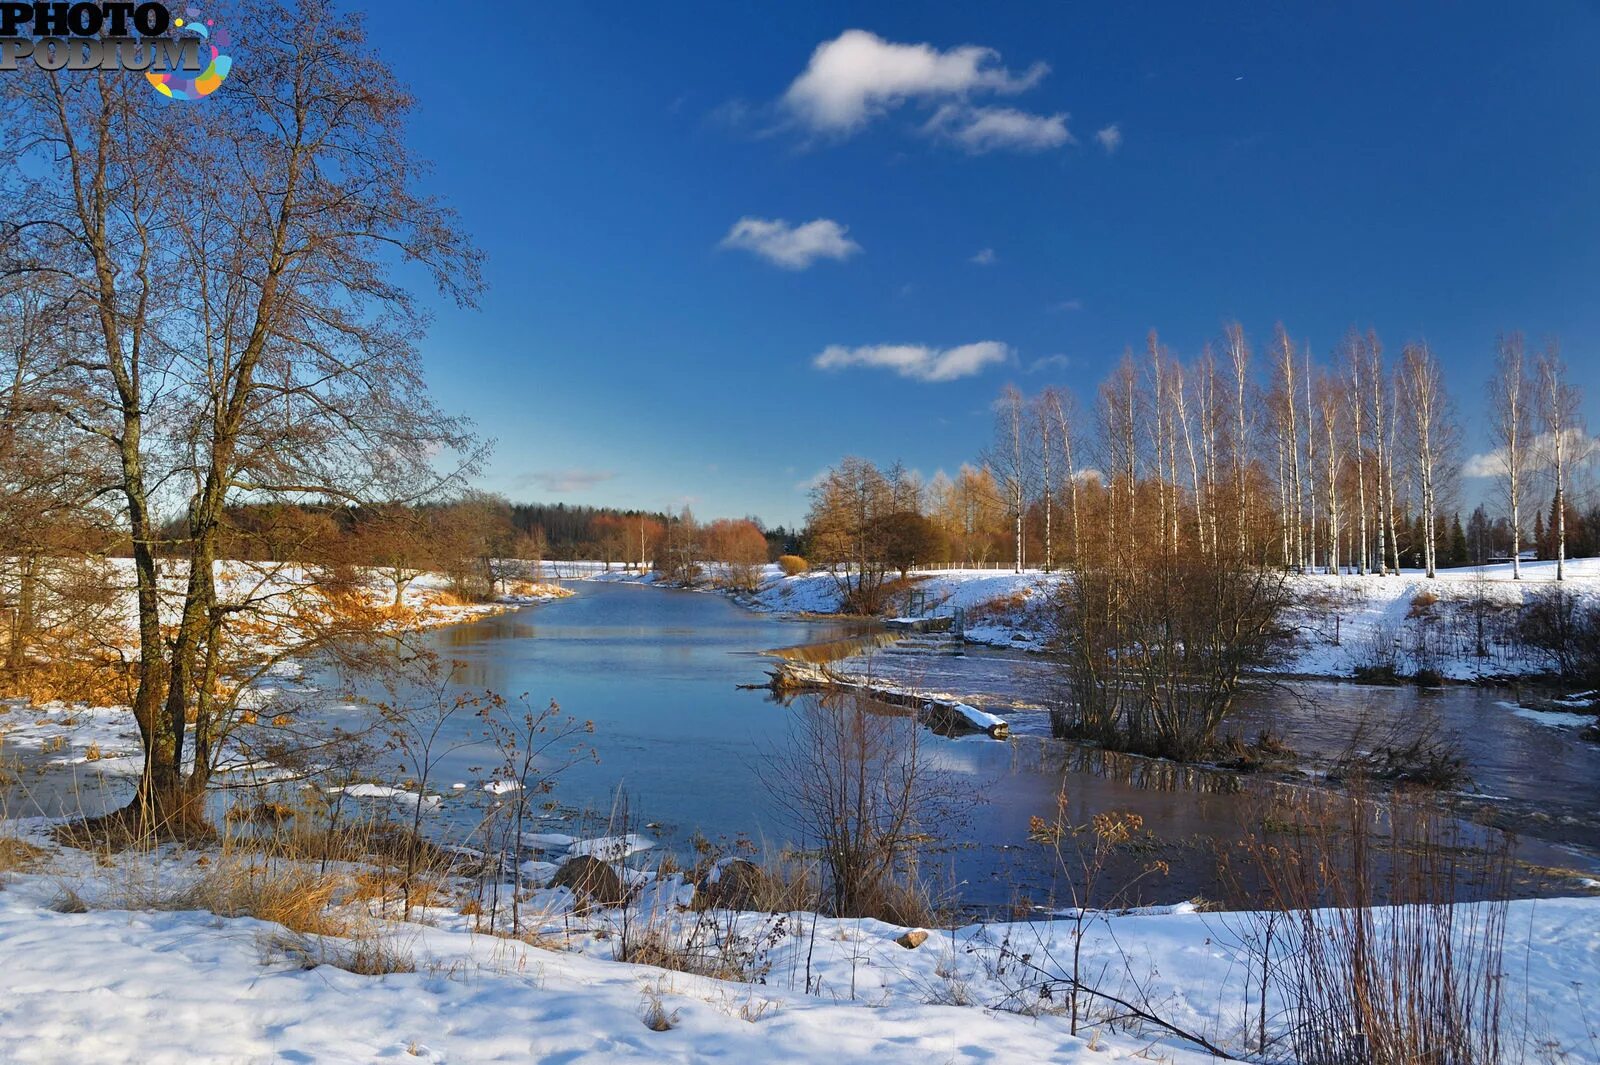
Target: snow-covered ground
(105, 739)
(117, 982)
(1342, 622)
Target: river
(659, 674)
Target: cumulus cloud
(917, 361)
(858, 76)
(1580, 447)
(1110, 138)
(985, 257)
(988, 129)
(568, 480)
(791, 247)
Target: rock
(735, 884)
(913, 939)
(591, 879)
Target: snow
(133, 984)
(1550, 718)
(610, 848)
(1338, 619)
(384, 791)
(978, 718)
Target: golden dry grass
(16, 855)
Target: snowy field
(123, 982)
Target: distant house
(1529, 555)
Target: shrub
(793, 565)
(1355, 931)
(1565, 630)
(1154, 648)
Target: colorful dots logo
(184, 85)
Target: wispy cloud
(791, 247)
(987, 129)
(568, 480)
(1110, 138)
(917, 361)
(1049, 362)
(1067, 305)
(985, 257)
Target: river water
(659, 674)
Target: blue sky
(1429, 171)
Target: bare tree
(1559, 407)
(1354, 359)
(1510, 432)
(1288, 412)
(249, 336)
(1239, 360)
(1012, 461)
(1330, 409)
(1431, 435)
(1378, 382)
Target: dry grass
(366, 956)
(78, 671)
(17, 855)
(299, 898)
(1001, 607)
(1422, 604)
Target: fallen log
(942, 714)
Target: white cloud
(1110, 138)
(1580, 447)
(568, 480)
(1050, 362)
(987, 129)
(858, 76)
(791, 247)
(917, 361)
(985, 257)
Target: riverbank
(1457, 625)
(103, 741)
(107, 959)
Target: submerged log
(943, 715)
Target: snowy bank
(132, 984)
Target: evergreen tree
(1456, 554)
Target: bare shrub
(1565, 630)
(1378, 935)
(1413, 751)
(854, 777)
(723, 944)
(1153, 649)
(1377, 655)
